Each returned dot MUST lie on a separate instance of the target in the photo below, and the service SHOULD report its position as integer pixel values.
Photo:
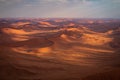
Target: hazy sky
(60, 8)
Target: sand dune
(17, 32)
(20, 23)
(64, 54)
(45, 23)
(94, 39)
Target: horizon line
(54, 18)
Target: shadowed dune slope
(110, 75)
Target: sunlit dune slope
(20, 24)
(95, 39)
(45, 23)
(17, 32)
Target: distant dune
(45, 23)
